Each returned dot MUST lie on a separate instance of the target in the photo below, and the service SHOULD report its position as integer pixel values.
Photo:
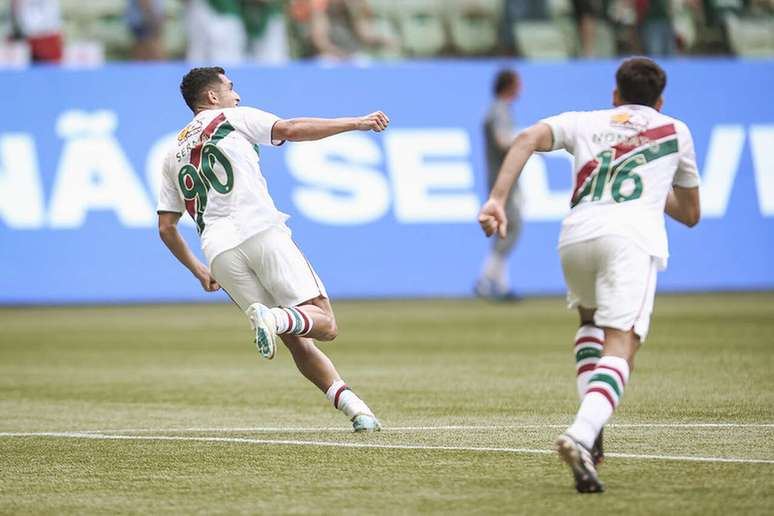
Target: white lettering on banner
(94, 174)
(540, 202)
(762, 148)
(340, 180)
(720, 166)
(423, 163)
(341, 185)
(21, 194)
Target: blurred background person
(146, 22)
(266, 28)
(39, 23)
(654, 23)
(335, 29)
(588, 14)
(499, 130)
(216, 31)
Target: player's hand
(205, 278)
(492, 218)
(376, 122)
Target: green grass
(155, 371)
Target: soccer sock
(588, 349)
(346, 401)
(292, 320)
(603, 395)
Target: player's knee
(331, 330)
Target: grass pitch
(168, 409)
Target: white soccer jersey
(214, 174)
(626, 161)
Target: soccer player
(632, 164)
(498, 136)
(214, 174)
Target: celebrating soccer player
(632, 163)
(214, 174)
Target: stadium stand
(448, 28)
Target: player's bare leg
(311, 361)
(318, 368)
(587, 349)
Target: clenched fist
(376, 122)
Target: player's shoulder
(680, 126)
(240, 111)
(576, 119)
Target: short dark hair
(505, 79)
(196, 81)
(640, 81)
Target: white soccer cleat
(366, 423)
(265, 329)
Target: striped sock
(345, 400)
(588, 349)
(292, 320)
(603, 395)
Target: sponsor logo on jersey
(629, 121)
(191, 129)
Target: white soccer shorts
(267, 268)
(615, 276)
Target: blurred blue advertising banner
(392, 214)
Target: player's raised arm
(492, 215)
(306, 129)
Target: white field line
(289, 442)
(344, 429)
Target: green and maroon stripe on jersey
(215, 131)
(641, 141)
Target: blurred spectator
(335, 29)
(266, 30)
(39, 23)
(499, 131)
(514, 11)
(654, 22)
(216, 32)
(146, 22)
(765, 7)
(588, 13)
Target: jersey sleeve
(170, 197)
(687, 174)
(255, 125)
(563, 129)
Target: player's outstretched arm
(683, 205)
(306, 129)
(492, 215)
(171, 237)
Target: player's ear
(212, 96)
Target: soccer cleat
(366, 423)
(485, 289)
(597, 453)
(265, 329)
(579, 459)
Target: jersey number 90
(195, 183)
